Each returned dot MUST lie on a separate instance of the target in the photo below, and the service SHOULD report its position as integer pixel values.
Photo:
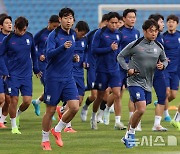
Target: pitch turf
(105, 140)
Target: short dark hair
(4, 18)
(21, 22)
(82, 26)
(64, 12)
(54, 18)
(121, 17)
(113, 15)
(173, 17)
(156, 17)
(149, 23)
(3, 15)
(104, 17)
(126, 11)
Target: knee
(93, 97)
(74, 109)
(117, 95)
(2, 99)
(141, 111)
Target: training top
(40, 41)
(20, 53)
(159, 73)
(101, 46)
(91, 57)
(172, 49)
(143, 58)
(129, 35)
(80, 49)
(60, 59)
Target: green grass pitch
(105, 140)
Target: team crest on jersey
(136, 36)
(73, 38)
(100, 85)
(155, 51)
(179, 39)
(93, 84)
(138, 95)
(82, 43)
(117, 36)
(48, 98)
(28, 41)
(9, 90)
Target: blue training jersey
(80, 49)
(91, 57)
(40, 41)
(129, 35)
(60, 59)
(20, 53)
(101, 46)
(172, 50)
(159, 73)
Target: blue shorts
(172, 80)
(91, 78)
(42, 79)
(123, 77)
(139, 94)
(55, 91)
(105, 80)
(1, 85)
(24, 85)
(159, 85)
(80, 85)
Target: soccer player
(20, 53)
(6, 28)
(91, 70)
(145, 55)
(171, 40)
(106, 46)
(159, 82)
(130, 33)
(60, 84)
(40, 40)
(81, 29)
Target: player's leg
(139, 96)
(160, 89)
(176, 120)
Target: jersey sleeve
(96, 43)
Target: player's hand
(132, 72)
(160, 65)
(68, 44)
(39, 75)
(114, 46)
(85, 65)
(4, 77)
(42, 57)
(76, 58)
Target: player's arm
(163, 61)
(126, 52)
(3, 67)
(51, 50)
(96, 43)
(34, 59)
